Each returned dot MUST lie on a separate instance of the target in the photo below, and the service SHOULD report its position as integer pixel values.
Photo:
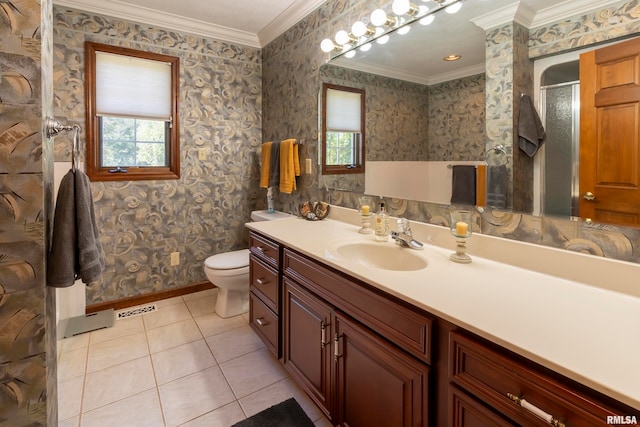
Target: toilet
(229, 271)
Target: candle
(462, 228)
(365, 209)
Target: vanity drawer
(265, 249)
(264, 322)
(408, 329)
(492, 375)
(264, 282)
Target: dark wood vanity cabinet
(369, 359)
(356, 376)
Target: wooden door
(376, 383)
(610, 134)
(307, 344)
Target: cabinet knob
(589, 196)
(261, 322)
(261, 281)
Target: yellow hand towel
(266, 160)
(289, 165)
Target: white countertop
(588, 333)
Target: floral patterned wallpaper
(201, 214)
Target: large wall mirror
(422, 107)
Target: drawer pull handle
(259, 248)
(336, 347)
(261, 281)
(323, 334)
(536, 411)
(261, 322)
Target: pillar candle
(462, 228)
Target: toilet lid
(228, 260)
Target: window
(342, 129)
(132, 114)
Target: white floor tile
(252, 372)
(203, 305)
(73, 343)
(200, 294)
(173, 335)
(117, 382)
(221, 417)
(194, 395)
(168, 301)
(212, 324)
(119, 329)
(70, 398)
(180, 361)
(166, 315)
(72, 364)
(113, 352)
(71, 422)
(140, 410)
(231, 344)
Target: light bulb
(400, 7)
(359, 29)
(422, 10)
(327, 45)
(350, 54)
(378, 17)
(453, 8)
(383, 39)
(342, 37)
(427, 20)
(404, 30)
(365, 47)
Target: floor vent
(138, 311)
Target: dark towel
(497, 178)
(76, 252)
(463, 187)
(531, 134)
(274, 165)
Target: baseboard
(148, 298)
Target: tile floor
(181, 365)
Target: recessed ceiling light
(452, 57)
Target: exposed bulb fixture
(427, 20)
(350, 54)
(327, 46)
(453, 8)
(383, 39)
(342, 38)
(379, 18)
(360, 29)
(404, 30)
(365, 47)
(404, 7)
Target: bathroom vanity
(432, 343)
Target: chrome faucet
(403, 236)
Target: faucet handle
(404, 226)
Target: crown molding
(567, 9)
(118, 9)
(287, 19)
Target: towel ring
(499, 149)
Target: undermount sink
(382, 256)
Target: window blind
(132, 87)
(343, 111)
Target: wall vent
(137, 311)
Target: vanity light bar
(382, 24)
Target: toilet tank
(264, 215)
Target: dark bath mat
(284, 414)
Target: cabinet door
(464, 411)
(306, 336)
(377, 383)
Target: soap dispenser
(382, 224)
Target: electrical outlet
(175, 258)
(307, 166)
(202, 154)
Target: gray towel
(531, 134)
(463, 187)
(76, 252)
(274, 165)
(497, 178)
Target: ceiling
(256, 23)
